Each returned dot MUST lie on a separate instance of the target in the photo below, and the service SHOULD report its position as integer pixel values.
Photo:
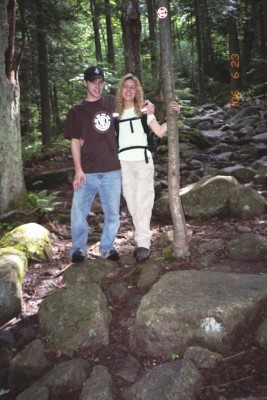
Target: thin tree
(43, 62)
(94, 8)
(131, 28)
(11, 175)
(152, 35)
(110, 45)
(180, 230)
(200, 57)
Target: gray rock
(65, 377)
(241, 173)
(28, 365)
(260, 165)
(211, 245)
(205, 125)
(261, 137)
(195, 163)
(88, 271)
(242, 113)
(251, 398)
(224, 156)
(166, 323)
(202, 358)
(261, 126)
(128, 368)
(245, 202)
(76, 317)
(40, 393)
(213, 135)
(261, 337)
(208, 197)
(177, 380)
(98, 386)
(207, 261)
(117, 290)
(241, 123)
(161, 209)
(246, 247)
(149, 274)
(13, 265)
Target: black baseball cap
(91, 73)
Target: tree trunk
(180, 230)
(152, 36)
(131, 29)
(43, 75)
(208, 52)
(110, 49)
(202, 94)
(11, 173)
(263, 28)
(94, 13)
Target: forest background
(219, 55)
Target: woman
(137, 171)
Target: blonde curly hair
(139, 96)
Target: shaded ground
(242, 372)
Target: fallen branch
(23, 212)
(227, 383)
(235, 355)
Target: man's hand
(77, 181)
(148, 108)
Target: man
(90, 127)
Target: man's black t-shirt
(93, 122)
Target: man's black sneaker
(112, 255)
(141, 254)
(77, 256)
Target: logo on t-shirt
(102, 121)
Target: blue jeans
(108, 186)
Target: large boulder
(76, 317)
(173, 380)
(205, 199)
(98, 386)
(28, 365)
(208, 197)
(32, 239)
(246, 247)
(246, 202)
(186, 308)
(64, 379)
(13, 265)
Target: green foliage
(71, 48)
(30, 150)
(167, 255)
(174, 356)
(48, 338)
(43, 201)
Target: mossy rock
(189, 112)
(196, 137)
(31, 239)
(11, 257)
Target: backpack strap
(145, 124)
(137, 147)
(145, 127)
